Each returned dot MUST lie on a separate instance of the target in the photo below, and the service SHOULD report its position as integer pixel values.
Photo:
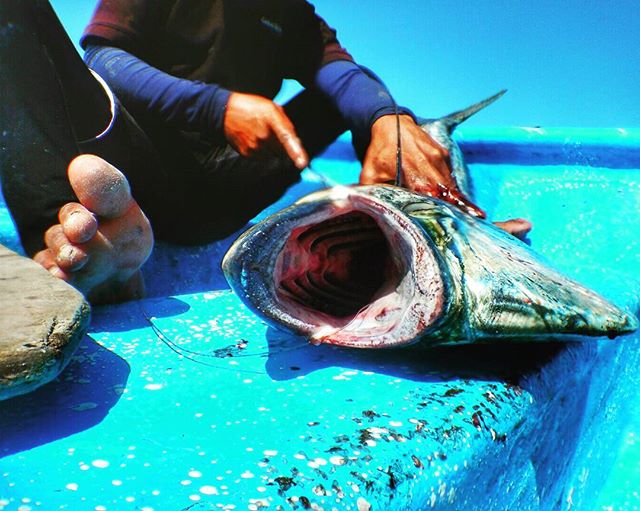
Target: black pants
(52, 108)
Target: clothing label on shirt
(271, 25)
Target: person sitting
(169, 131)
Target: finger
(375, 171)
(289, 141)
(78, 223)
(293, 147)
(369, 176)
(518, 227)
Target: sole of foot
(102, 240)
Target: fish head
(342, 266)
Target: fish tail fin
(452, 120)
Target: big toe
(100, 187)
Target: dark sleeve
(332, 49)
(358, 94)
(152, 94)
(127, 24)
(310, 43)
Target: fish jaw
(342, 267)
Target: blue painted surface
(121, 428)
(244, 416)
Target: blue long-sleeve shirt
(196, 106)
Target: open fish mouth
(351, 278)
(379, 266)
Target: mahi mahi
(379, 267)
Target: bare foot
(102, 241)
(518, 227)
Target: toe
(47, 259)
(78, 223)
(68, 257)
(100, 187)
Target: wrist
(387, 122)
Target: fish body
(379, 267)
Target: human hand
(257, 128)
(425, 163)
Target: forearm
(360, 98)
(148, 92)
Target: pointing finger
(296, 152)
(290, 142)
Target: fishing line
(398, 181)
(191, 354)
(373, 76)
(186, 353)
(326, 182)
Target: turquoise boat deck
(186, 400)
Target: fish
(379, 266)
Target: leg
(38, 133)
(50, 101)
(100, 258)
